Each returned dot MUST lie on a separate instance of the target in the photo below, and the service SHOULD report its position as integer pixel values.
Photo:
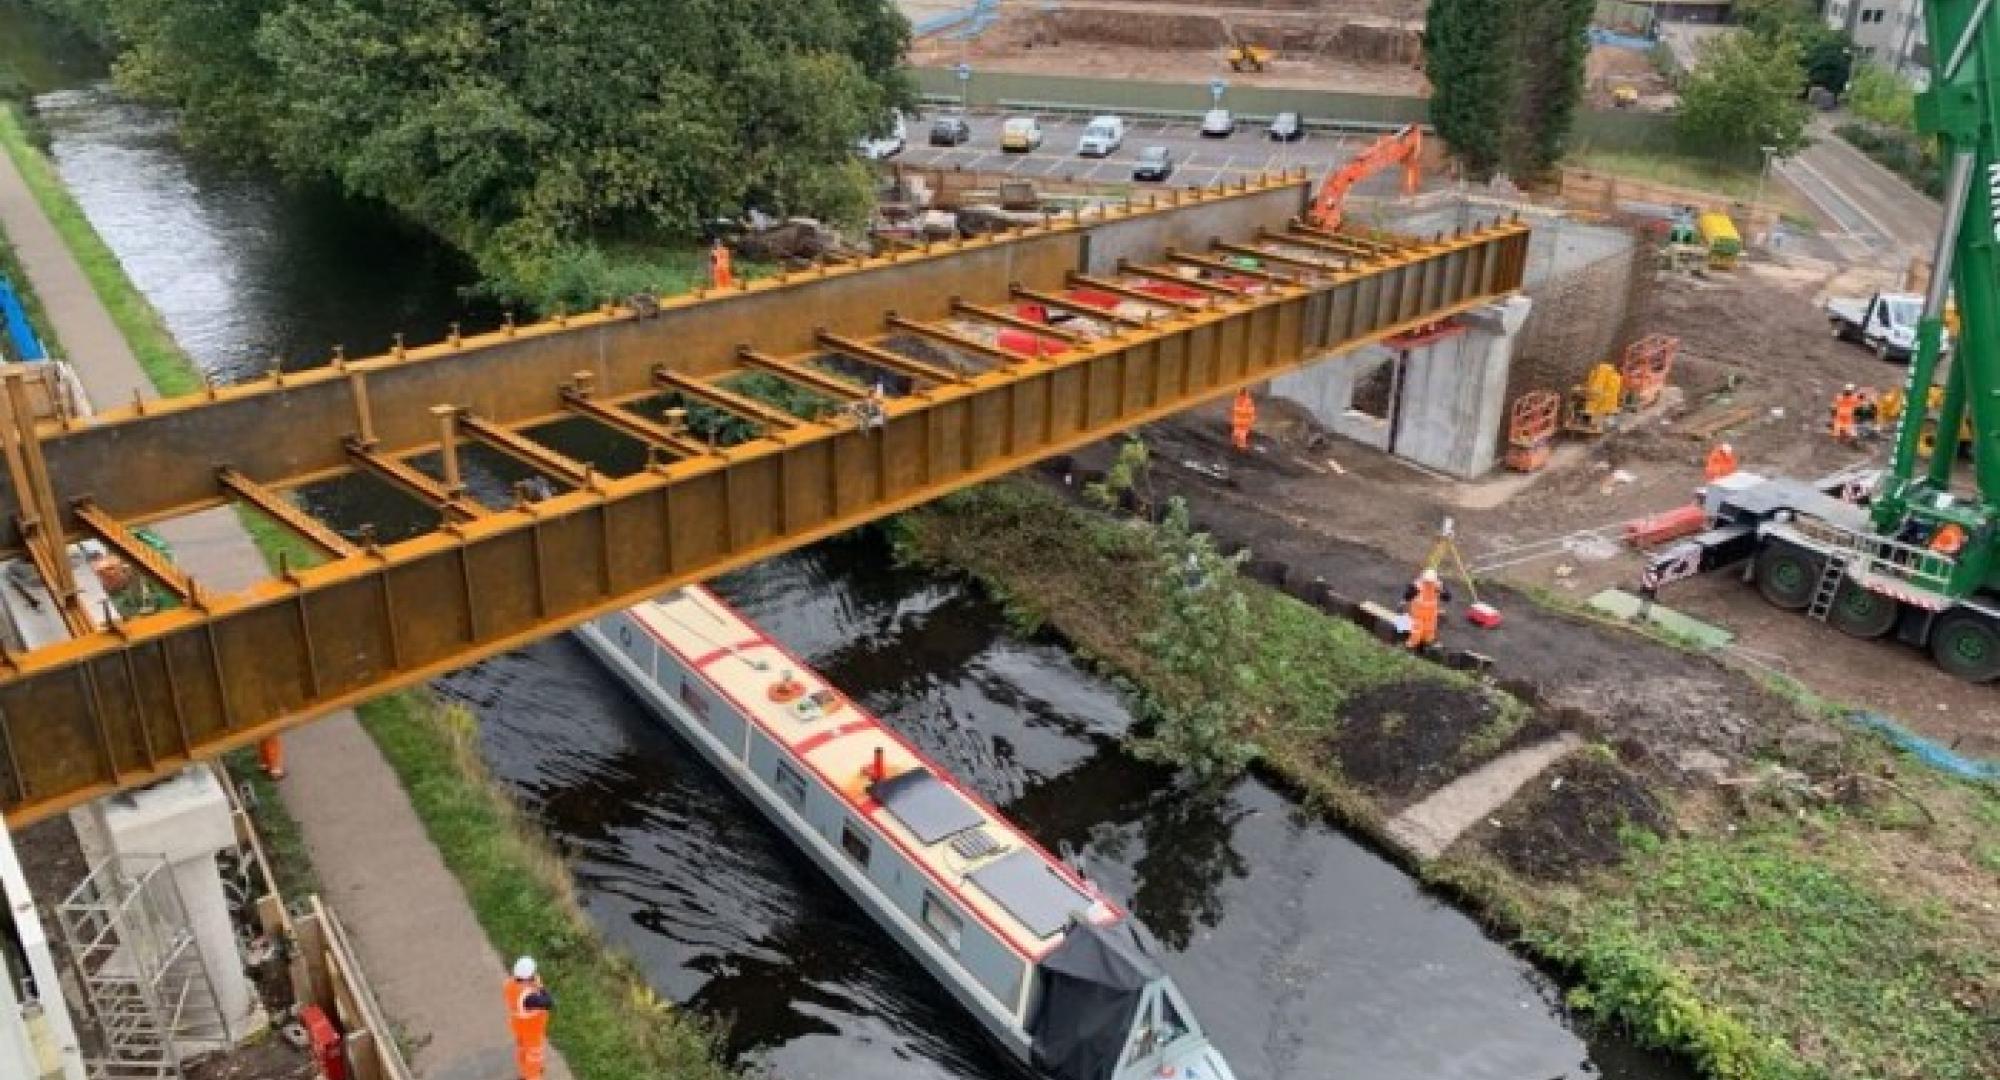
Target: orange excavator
(1405, 148)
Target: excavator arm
(1405, 147)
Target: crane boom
(1403, 147)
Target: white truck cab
(1884, 322)
(1102, 136)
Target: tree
(544, 138)
(1557, 34)
(1881, 96)
(1827, 52)
(1744, 94)
(1469, 57)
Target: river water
(1304, 953)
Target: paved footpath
(435, 973)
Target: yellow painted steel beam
(526, 451)
(748, 408)
(121, 706)
(287, 513)
(411, 480)
(892, 360)
(638, 427)
(140, 554)
(1311, 265)
(812, 379)
(1063, 303)
(1166, 275)
(1015, 322)
(1091, 281)
(946, 336)
(1222, 266)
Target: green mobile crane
(1912, 550)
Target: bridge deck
(926, 369)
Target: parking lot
(1198, 161)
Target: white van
(1020, 134)
(1102, 137)
(888, 146)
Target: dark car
(950, 131)
(1154, 163)
(1286, 127)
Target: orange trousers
(528, 1059)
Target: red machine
(327, 1051)
(1404, 148)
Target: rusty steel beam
(413, 481)
(629, 423)
(1166, 275)
(894, 361)
(1222, 266)
(947, 336)
(1090, 281)
(1063, 303)
(140, 554)
(812, 379)
(1015, 322)
(526, 451)
(769, 416)
(121, 706)
(1318, 269)
(286, 512)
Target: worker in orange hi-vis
(1845, 404)
(1242, 417)
(1948, 540)
(1721, 462)
(720, 273)
(528, 1005)
(271, 754)
(1425, 599)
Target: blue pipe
(21, 339)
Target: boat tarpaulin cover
(926, 805)
(1031, 891)
(1091, 989)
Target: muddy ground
(1363, 521)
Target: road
(1875, 215)
(1199, 161)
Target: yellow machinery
(1244, 56)
(1624, 95)
(1889, 409)
(1719, 235)
(1593, 403)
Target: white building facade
(1889, 33)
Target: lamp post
(964, 73)
(1763, 174)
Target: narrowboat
(1059, 975)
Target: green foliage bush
(539, 137)
(1899, 153)
(1745, 93)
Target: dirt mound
(1574, 817)
(1406, 738)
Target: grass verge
(1676, 170)
(610, 1025)
(169, 369)
(1833, 919)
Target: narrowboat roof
(969, 851)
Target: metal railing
(1075, 109)
(1872, 554)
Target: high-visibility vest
(1949, 539)
(1721, 462)
(530, 1025)
(1844, 406)
(1424, 608)
(720, 268)
(1244, 412)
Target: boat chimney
(880, 769)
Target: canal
(1304, 953)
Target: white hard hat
(524, 968)
(1728, 449)
(1850, 386)
(1430, 576)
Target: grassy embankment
(165, 365)
(1765, 936)
(611, 1025)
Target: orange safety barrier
(1531, 434)
(1648, 361)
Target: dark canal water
(1305, 954)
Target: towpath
(435, 973)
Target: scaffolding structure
(150, 996)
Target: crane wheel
(1967, 644)
(1787, 575)
(1857, 612)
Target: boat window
(854, 843)
(790, 784)
(944, 923)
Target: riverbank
(1757, 926)
(437, 982)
